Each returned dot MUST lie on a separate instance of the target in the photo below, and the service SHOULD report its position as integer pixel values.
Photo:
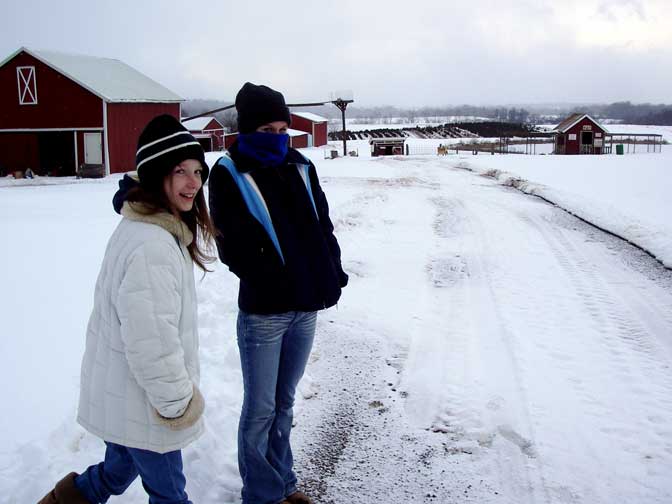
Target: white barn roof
(199, 123)
(111, 79)
(310, 116)
(294, 133)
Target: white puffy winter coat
(142, 339)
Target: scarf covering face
(270, 149)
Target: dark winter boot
(65, 492)
(298, 498)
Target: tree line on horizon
(626, 112)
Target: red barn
(314, 125)
(229, 138)
(391, 146)
(208, 131)
(579, 134)
(298, 139)
(59, 111)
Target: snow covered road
(535, 349)
(490, 347)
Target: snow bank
(626, 195)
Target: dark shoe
(65, 492)
(298, 498)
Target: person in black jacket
(275, 234)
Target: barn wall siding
(229, 139)
(320, 134)
(61, 103)
(318, 130)
(299, 142)
(302, 124)
(125, 122)
(216, 130)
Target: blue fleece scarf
(270, 149)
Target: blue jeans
(274, 351)
(161, 475)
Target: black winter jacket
(311, 277)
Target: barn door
(586, 142)
(93, 148)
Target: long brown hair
(197, 219)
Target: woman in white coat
(140, 371)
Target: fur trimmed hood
(174, 225)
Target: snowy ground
(490, 347)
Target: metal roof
(387, 140)
(311, 117)
(294, 133)
(199, 123)
(568, 123)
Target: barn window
(25, 77)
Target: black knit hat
(258, 105)
(164, 144)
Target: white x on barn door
(27, 85)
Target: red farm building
(229, 138)
(208, 131)
(298, 139)
(580, 134)
(314, 125)
(59, 111)
(393, 146)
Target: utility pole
(342, 105)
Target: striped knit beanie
(164, 144)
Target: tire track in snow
(628, 321)
(354, 440)
(581, 284)
(469, 408)
(507, 407)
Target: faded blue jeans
(274, 351)
(161, 475)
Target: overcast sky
(388, 52)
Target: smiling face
(182, 185)
(277, 127)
